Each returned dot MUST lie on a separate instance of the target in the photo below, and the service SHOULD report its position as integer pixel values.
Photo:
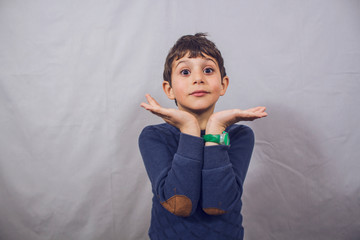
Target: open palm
(186, 122)
(219, 121)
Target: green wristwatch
(222, 139)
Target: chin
(201, 109)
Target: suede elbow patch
(178, 205)
(214, 211)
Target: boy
(196, 175)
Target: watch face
(227, 140)
(224, 139)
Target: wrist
(212, 127)
(211, 144)
(221, 139)
(191, 129)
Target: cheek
(178, 88)
(216, 87)
(178, 93)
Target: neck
(203, 119)
(202, 116)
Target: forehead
(187, 57)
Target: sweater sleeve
(175, 177)
(224, 171)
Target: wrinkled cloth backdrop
(72, 77)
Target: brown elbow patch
(179, 205)
(214, 211)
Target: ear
(224, 85)
(168, 90)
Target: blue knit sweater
(197, 189)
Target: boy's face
(196, 84)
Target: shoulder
(241, 133)
(160, 133)
(236, 129)
(159, 129)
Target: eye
(208, 70)
(185, 72)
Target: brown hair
(196, 45)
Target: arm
(175, 173)
(175, 178)
(225, 167)
(224, 171)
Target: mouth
(199, 93)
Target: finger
(157, 110)
(146, 106)
(260, 109)
(251, 109)
(151, 100)
(256, 109)
(246, 113)
(151, 108)
(258, 114)
(250, 116)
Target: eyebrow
(207, 59)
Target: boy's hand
(184, 121)
(219, 121)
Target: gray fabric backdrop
(72, 77)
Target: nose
(198, 77)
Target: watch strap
(222, 139)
